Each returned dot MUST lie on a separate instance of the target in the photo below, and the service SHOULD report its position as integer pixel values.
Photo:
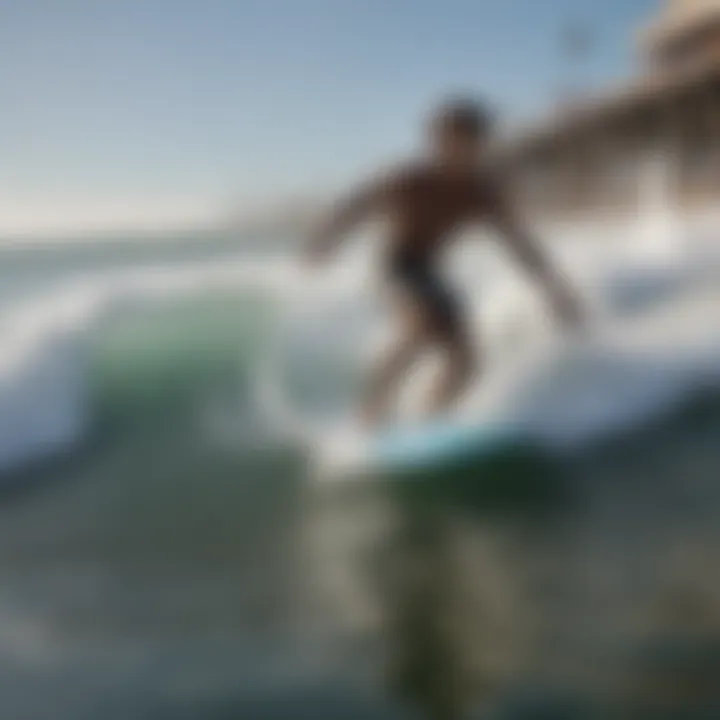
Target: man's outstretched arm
(527, 250)
(347, 215)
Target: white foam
(655, 342)
(45, 346)
(632, 370)
(570, 394)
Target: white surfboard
(350, 453)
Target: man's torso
(428, 207)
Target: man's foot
(370, 421)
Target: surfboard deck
(412, 448)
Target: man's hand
(568, 310)
(313, 255)
(316, 254)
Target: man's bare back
(427, 204)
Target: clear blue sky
(188, 102)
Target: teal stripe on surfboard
(442, 443)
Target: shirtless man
(427, 202)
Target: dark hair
(465, 117)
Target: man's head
(459, 129)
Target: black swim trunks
(439, 303)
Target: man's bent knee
(463, 359)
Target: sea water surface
(165, 552)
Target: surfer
(426, 202)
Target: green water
(156, 574)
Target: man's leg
(460, 368)
(385, 378)
(452, 336)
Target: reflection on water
(161, 574)
(588, 592)
(165, 579)
(441, 578)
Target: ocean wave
(116, 346)
(567, 396)
(50, 345)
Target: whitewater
(652, 343)
(180, 564)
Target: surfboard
(409, 449)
